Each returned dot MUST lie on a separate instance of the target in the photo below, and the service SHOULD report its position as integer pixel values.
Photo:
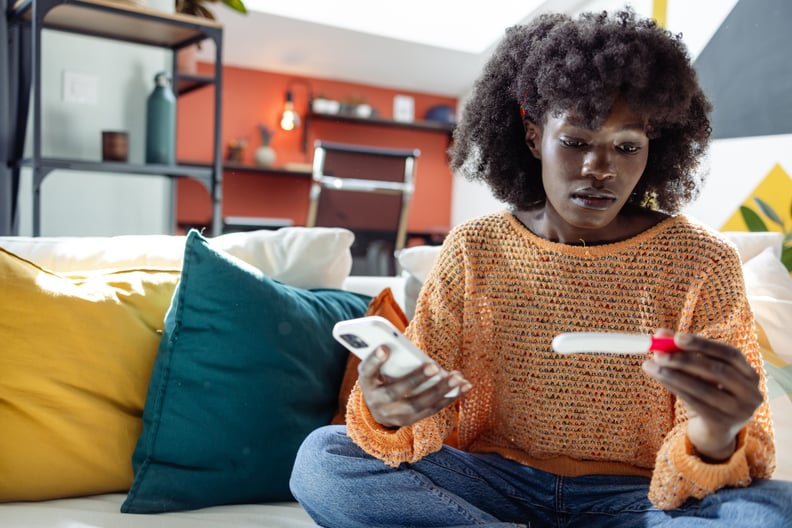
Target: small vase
(187, 60)
(264, 156)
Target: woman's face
(588, 175)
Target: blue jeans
(340, 486)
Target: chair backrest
(367, 190)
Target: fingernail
(650, 367)
(380, 354)
(661, 357)
(431, 369)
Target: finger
(664, 332)
(717, 350)
(714, 370)
(390, 389)
(426, 401)
(429, 380)
(370, 367)
(711, 399)
(449, 386)
(431, 400)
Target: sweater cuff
(392, 446)
(711, 477)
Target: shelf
(428, 126)
(188, 82)
(280, 171)
(118, 20)
(122, 21)
(196, 171)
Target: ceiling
(283, 44)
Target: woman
(591, 129)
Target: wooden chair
(367, 190)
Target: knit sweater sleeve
(435, 329)
(719, 311)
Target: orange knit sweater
(495, 299)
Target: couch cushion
(247, 367)
(769, 288)
(417, 262)
(75, 362)
(750, 244)
(315, 257)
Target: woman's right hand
(394, 402)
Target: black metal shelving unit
(6, 186)
(22, 26)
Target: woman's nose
(598, 164)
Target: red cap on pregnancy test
(664, 344)
(612, 343)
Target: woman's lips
(594, 200)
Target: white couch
(305, 258)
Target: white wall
(99, 204)
(95, 203)
(727, 185)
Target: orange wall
(251, 97)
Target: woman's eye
(629, 148)
(571, 142)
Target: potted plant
(265, 154)
(187, 62)
(198, 7)
(755, 224)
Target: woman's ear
(533, 139)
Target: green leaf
(752, 220)
(768, 211)
(786, 258)
(236, 5)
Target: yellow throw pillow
(75, 362)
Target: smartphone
(363, 335)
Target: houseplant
(198, 7)
(265, 154)
(187, 62)
(755, 223)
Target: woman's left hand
(719, 388)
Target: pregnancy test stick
(613, 343)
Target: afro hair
(560, 64)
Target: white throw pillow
(416, 262)
(306, 257)
(769, 289)
(750, 244)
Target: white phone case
(363, 335)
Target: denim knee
(316, 468)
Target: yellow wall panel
(775, 190)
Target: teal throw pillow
(246, 368)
